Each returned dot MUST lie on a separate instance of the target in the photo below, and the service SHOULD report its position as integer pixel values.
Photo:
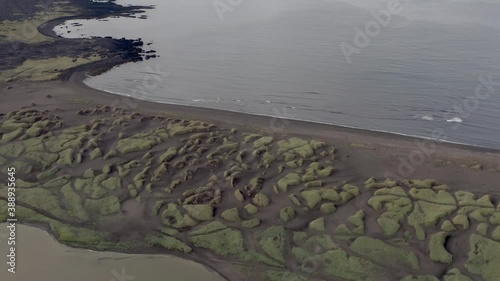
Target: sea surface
(41, 258)
(419, 71)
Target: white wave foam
(455, 120)
(427, 118)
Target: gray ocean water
(419, 73)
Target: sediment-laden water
(425, 66)
(39, 257)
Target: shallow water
(41, 258)
(283, 58)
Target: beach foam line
(305, 120)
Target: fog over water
(284, 58)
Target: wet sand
(42, 258)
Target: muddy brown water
(40, 257)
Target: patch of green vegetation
(273, 241)
(12, 135)
(462, 220)
(251, 209)
(137, 143)
(294, 200)
(232, 215)
(379, 251)
(357, 221)
(495, 234)
(227, 242)
(455, 275)
(57, 182)
(74, 202)
(260, 199)
(24, 184)
(289, 276)
(287, 214)
(312, 197)
(112, 183)
(429, 195)
(168, 155)
(43, 158)
(437, 250)
(484, 257)
(42, 199)
(317, 224)
(252, 223)
(339, 264)
(169, 243)
(105, 206)
(482, 228)
(421, 184)
(312, 184)
(330, 194)
(208, 228)
(264, 141)
(427, 214)
(328, 208)
(448, 226)
(96, 153)
(44, 69)
(200, 212)
(420, 278)
(291, 179)
(465, 198)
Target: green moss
(48, 174)
(317, 224)
(12, 135)
(105, 206)
(251, 209)
(462, 220)
(34, 132)
(495, 234)
(448, 226)
(291, 179)
(337, 263)
(57, 182)
(208, 228)
(239, 196)
(379, 251)
(437, 250)
(482, 228)
(168, 155)
(495, 218)
(12, 150)
(136, 143)
(427, 215)
(396, 191)
(294, 200)
(316, 183)
(389, 225)
(22, 168)
(469, 199)
(227, 242)
(351, 189)
(357, 221)
(66, 157)
(96, 153)
(330, 194)
(287, 214)
(346, 196)
(455, 275)
(422, 184)
(261, 199)
(328, 208)
(24, 184)
(42, 199)
(232, 215)
(441, 197)
(312, 197)
(272, 241)
(484, 257)
(201, 212)
(300, 254)
(169, 243)
(42, 158)
(169, 231)
(252, 223)
(264, 141)
(420, 278)
(74, 203)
